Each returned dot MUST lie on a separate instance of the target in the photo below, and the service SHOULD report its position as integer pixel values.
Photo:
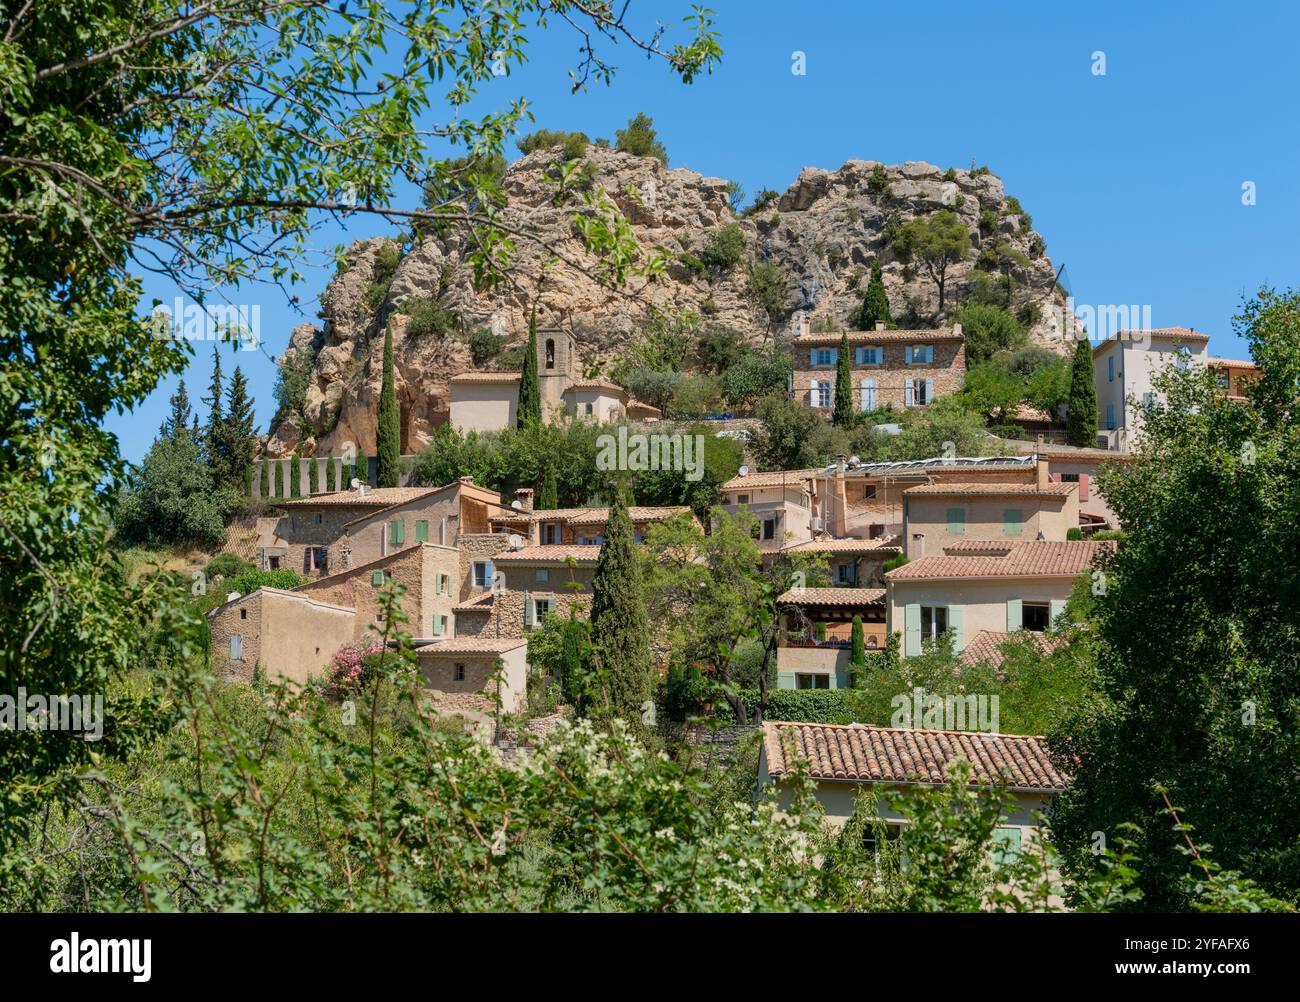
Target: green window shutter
(1006, 846)
(912, 629)
(1014, 614)
(1011, 521)
(529, 618)
(1058, 607)
(422, 531)
(376, 578)
(400, 529)
(957, 627)
(956, 521)
(437, 625)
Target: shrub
(769, 288)
(639, 138)
(352, 667)
(878, 182)
(724, 251)
(250, 581)
(227, 565)
(427, 317)
(386, 262)
(545, 139)
(988, 329)
(761, 201)
(696, 393)
(484, 345)
(1074, 532)
(652, 387)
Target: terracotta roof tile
(1229, 363)
(986, 646)
(471, 645)
(1054, 489)
(485, 377)
(595, 384)
(549, 554)
(599, 516)
(776, 478)
(832, 338)
(865, 754)
(886, 545)
(479, 603)
(832, 596)
(375, 497)
(1031, 559)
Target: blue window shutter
(1006, 846)
(912, 629)
(812, 357)
(929, 391)
(907, 355)
(1014, 615)
(1058, 607)
(909, 394)
(437, 625)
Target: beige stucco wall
(926, 516)
(483, 406)
(604, 405)
(288, 634)
(1136, 363)
(983, 601)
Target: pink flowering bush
(348, 671)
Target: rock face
(823, 233)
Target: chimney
(524, 495)
(880, 325)
(1042, 478)
(805, 324)
(917, 550)
(956, 329)
(841, 526)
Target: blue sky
(1133, 178)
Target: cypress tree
(857, 643)
(235, 436)
(313, 475)
(390, 425)
(549, 499)
(329, 475)
(620, 654)
(875, 304)
(279, 478)
(295, 476)
(214, 439)
(573, 642)
(529, 410)
(1081, 422)
(265, 491)
(842, 415)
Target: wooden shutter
(957, 627)
(1012, 521)
(236, 647)
(812, 393)
(422, 531)
(1058, 607)
(812, 357)
(1014, 615)
(376, 578)
(956, 521)
(912, 629)
(909, 394)
(438, 624)
(907, 355)
(929, 391)
(1083, 487)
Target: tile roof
(832, 596)
(832, 338)
(472, 645)
(595, 384)
(1030, 559)
(1229, 363)
(865, 754)
(1054, 489)
(599, 516)
(485, 377)
(1176, 333)
(1067, 453)
(549, 554)
(775, 478)
(375, 497)
(986, 646)
(479, 603)
(884, 545)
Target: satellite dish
(744, 471)
(516, 541)
(854, 460)
(355, 483)
(516, 505)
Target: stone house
(528, 584)
(783, 501)
(586, 526)
(976, 585)
(809, 657)
(846, 760)
(1233, 375)
(287, 633)
(896, 369)
(852, 562)
(472, 673)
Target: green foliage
(279, 478)
(987, 330)
(652, 386)
(722, 457)
(331, 484)
(620, 651)
(250, 581)
(485, 346)
(725, 248)
(549, 497)
(769, 288)
(427, 317)
(663, 344)
(944, 421)
(387, 258)
(529, 408)
(291, 380)
(1081, 419)
(735, 195)
(878, 181)
(762, 200)
(875, 304)
(720, 348)
(390, 422)
(295, 476)
(757, 374)
(937, 241)
(227, 565)
(695, 394)
(172, 500)
(857, 644)
(1074, 533)
(843, 415)
(572, 144)
(266, 479)
(639, 138)
(313, 476)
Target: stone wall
(948, 371)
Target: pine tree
(875, 304)
(279, 478)
(178, 421)
(550, 496)
(265, 491)
(1081, 421)
(390, 426)
(236, 436)
(313, 476)
(330, 486)
(842, 415)
(620, 654)
(295, 476)
(529, 410)
(214, 441)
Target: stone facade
(287, 633)
(477, 684)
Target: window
(870, 356)
(920, 354)
(377, 578)
(1110, 369)
(482, 573)
(458, 673)
(588, 409)
(824, 356)
(1184, 359)
(1035, 616)
(273, 563)
(769, 528)
(812, 681)
(868, 394)
(439, 625)
(541, 609)
(422, 531)
(869, 492)
(550, 353)
(846, 574)
(742, 499)
(1006, 846)
(236, 648)
(876, 531)
(893, 832)
(1012, 522)
(917, 392)
(1110, 417)
(823, 394)
(243, 613)
(551, 533)
(320, 519)
(1148, 401)
(934, 621)
(318, 558)
(543, 574)
(957, 521)
(1222, 379)
(397, 532)
(1069, 478)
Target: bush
(696, 393)
(724, 251)
(427, 317)
(769, 289)
(250, 581)
(988, 329)
(652, 387)
(639, 138)
(227, 565)
(756, 375)
(1074, 533)
(761, 201)
(545, 139)
(484, 345)
(386, 262)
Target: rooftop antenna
(516, 541)
(743, 471)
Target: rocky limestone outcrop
(823, 233)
